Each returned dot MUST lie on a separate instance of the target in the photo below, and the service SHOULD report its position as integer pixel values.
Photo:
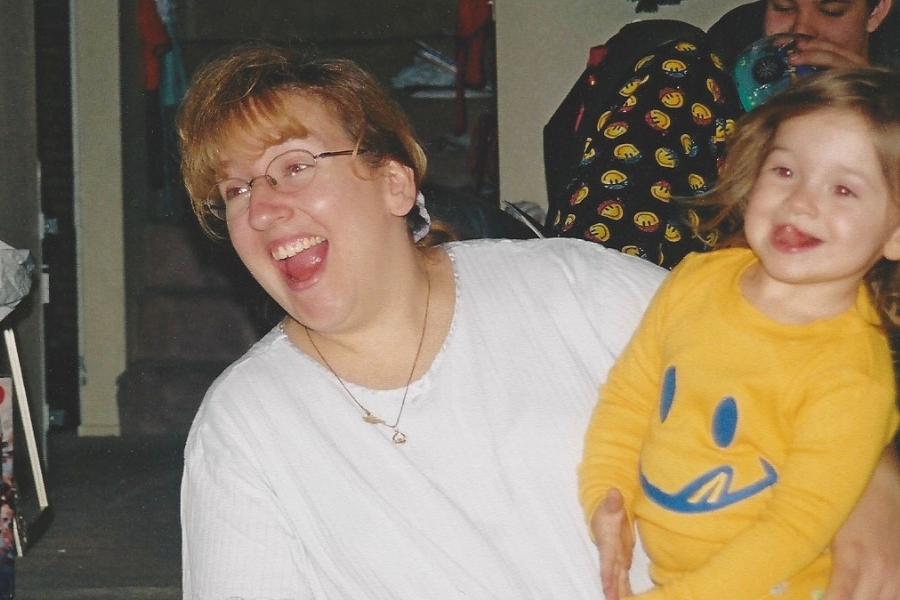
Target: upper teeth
(295, 247)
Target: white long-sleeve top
(289, 494)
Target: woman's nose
(267, 206)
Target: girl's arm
(614, 536)
(608, 474)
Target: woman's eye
(294, 169)
(230, 193)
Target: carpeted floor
(114, 532)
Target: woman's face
(843, 23)
(325, 252)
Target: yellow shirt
(739, 443)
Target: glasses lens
(215, 207)
(292, 171)
(229, 196)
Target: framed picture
(8, 547)
(15, 422)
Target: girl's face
(844, 23)
(821, 211)
(324, 253)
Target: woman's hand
(615, 542)
(866, 550)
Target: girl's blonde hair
(873, 94)
(244, 97)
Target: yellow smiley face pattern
(659, 139)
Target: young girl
(745, 416)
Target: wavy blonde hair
(244, 96)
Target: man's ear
(878, 15)
(400, 182)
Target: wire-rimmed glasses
(288, 172)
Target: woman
(411, 429)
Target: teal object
(762, 69)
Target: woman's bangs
(253, 126)
(265, 121)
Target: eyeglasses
(287, 173)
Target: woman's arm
(866, 550)
(236, 541)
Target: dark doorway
(54, 124)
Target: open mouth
(301, 259)
(296, 247)
(789, 237)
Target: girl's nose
(802, 201)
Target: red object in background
(155, 40)
(473, 20)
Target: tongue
(304, 265)
(791, 236)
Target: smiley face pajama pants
(656, 138)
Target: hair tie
(422, 230)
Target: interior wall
(542, 48)
(99, 210)
(54, 125)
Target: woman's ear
(878, 15)
(400, 182)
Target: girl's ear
(878, 14)
(401, 187)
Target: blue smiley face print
(713, 489)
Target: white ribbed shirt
(288, 494)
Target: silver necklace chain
(399, 437)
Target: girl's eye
(844, 191)
(783, 171)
